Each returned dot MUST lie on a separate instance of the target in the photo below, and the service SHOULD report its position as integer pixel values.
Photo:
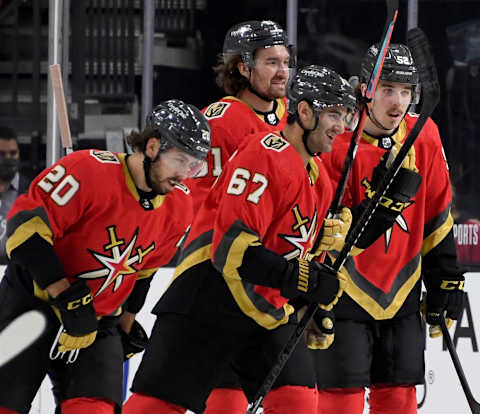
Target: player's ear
(305, 112)
(152, 147)
(243, 69)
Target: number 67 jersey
(265, 196)
(87, 207)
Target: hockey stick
(392, 12)
(60, 103)
(20, 334)
(473, 404)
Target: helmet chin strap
(306, 134)
(147, 166)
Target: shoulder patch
(274, 142)
(106, 157)
(183, 187)
(216, 110)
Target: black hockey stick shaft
(473, 404)
(392, 12)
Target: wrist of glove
(445, 298)
(135, 341)
(334, 231)
(313, 281)
(78, 316)
(320, 331)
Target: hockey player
(91, 226)
(246, 257)
(253, 71)
(379, 340)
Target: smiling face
(330, 124)
(388, 107)
(270, 74)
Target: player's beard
(165, 186)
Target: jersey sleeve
(55, 202)
(252, 194)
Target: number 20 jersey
(87, 207)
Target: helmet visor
(180, 163)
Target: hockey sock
(84, 405)
(388, 399)
(226, 401)
(290, 399)
(4, 410)
(145, 404)
(341, 400)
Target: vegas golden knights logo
(274, 142)
(104, 156)
(216, 110)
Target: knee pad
(145, 404)
(387, 399)
(4, 410)
(87, 405)
(290, 399)
(340, 400)
(226, 401)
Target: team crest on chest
(105, 157)
(304, 231)
(216, 110)
(117, 260)
(274, 142)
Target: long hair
(229, 77)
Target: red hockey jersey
(264, 196)
(87, 207)
(231, 120)
(383, 275)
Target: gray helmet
(245, 38)
(181, 125)
(398, 66)
(321, 87)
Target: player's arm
(443, 278)
(248, 205)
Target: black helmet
(321, 87)
(244, 38)
(181, 125)
(398, 66)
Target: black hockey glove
(445, 297)
(135, 341)
(78, 317)
(315, 282)
(396, 199)
(320, 331)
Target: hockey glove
(397, 198)
(313, 281)
(78, 316)
(334, 232)
(320, 331)
(135, 341)
(445, 298)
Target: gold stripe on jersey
(200, 255)
(371, 305)
(156, 202)
(26, 230)
(146, 273)
(435, 237)
(397, 137)
(313, 171)
(228, 258)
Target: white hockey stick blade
(20, 334)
